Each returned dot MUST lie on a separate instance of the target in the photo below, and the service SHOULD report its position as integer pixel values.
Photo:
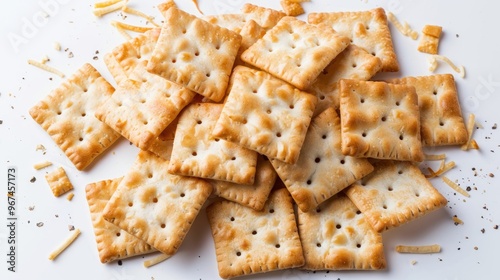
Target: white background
(470, 38)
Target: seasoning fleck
(39, 224)
(33, 179)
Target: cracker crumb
(457, 221)
(31, 208)
(71, 227)
(495, 227)
(491, 175)
(70, 55)
(413, 262)
(476, 248)
(33, 179)
(39, 224)
(483, 230)
(57, 46)
(494, 126)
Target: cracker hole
(254, 232)
(174, 60)
(397, 103)
(271, 210)
(309, 182)
(318, 245)
(194, 154)
(400, 172)
(244, 121)
(130, 204)
(342, 161)
(80, 139)
(324, 72)
(232, 219)
(162, 225)
(269, 111)
(143, 101)
(441, 123)
(363, 134)
(83, 114)
(217, 47)
(85, 90)
(338, 226)
(199, 122)
(318, 210)
(384, 118)
(323, 136)
(270, 50)
(358, 245)
(417, 194)
(233, 158)
(358, 212)
(196, 53)
(59, 112)
(238, 254)
(390, 189)
(150, 175)
(317, 160)
(278, 134)
(277, 246)
(351, 41)
(401, 137)
(354, 65)
(183, 194)
(155, 200)
(254, 91)
(384, 206)
(208, 75)
(362, 100)
(299, 65)
(216, 139)
(434, 92)
(118, 234)
(373, 53)
(322, 97)
(184, 31)
(291, 106)
(292, 46)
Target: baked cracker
(58, 181)
(253, 196)
(380, 120)
(156, 206)
(67, 114)
(197, 153)
(163, 144)
(353, 63)
(321, 170)
(113, 243)
(292, 8)
(429, 42)
(195, 53)
(265, 17)
(265, 114)
(234, 22)
(141, 109)
(366, 29)
(295, 51)
(249, 241)
(441, 121)
(395, 193)
(126, 57)
(336, 236)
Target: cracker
(249, 241)
(113, 243)
(67, 114)
(156, 206)
(336, 236)
(380, 120)
(265, 114)
(234, 22)
(395, 193)
(162, 145)
(197, 153)
(253, 196)
(141, 109)
(441, 121)
(295, 51)
(292, 8)
(353, 63)
(265, 17)
(321, 170)
(58, 181)
(367, 29)
(195, 54)
(125, 58)
(429, 42)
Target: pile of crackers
(272, 121)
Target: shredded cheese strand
(107, 3)
(470, 129)
(64, 245)
(455, 186)
(433, 64)
(156, 260)
(99, 12)
(426, 249)
(125, 26)
(46, 67)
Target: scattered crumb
(33, 179)
(57, 216)
(31, 208)
(483, 230)
(71, 227)
(39, 224)
(476, 248)
(413, 262)
(57, 46)
(1, 122)
(494, 126)
(491, 175)
(70, 55)
(95, 57)
(70, 196)
(457, 220)
(495, 227)
(40, 147)
(120, 262)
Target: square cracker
(353, 63)
(113, 243)
(265, 17)
(429, 42)
(59, 182)
(125, 58)
(67, 114)
(380, 120)
(195, 53)
(253, 196)
(366, 29)
(141, 109)
(163, 144)
(322, 170)
(441, 121)
(197, 153)
(336, 236)
(292, 8)
(234, 22)
(395, 193)
(156, 206)
(249, 241)
(265, 114)
(295, 51)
